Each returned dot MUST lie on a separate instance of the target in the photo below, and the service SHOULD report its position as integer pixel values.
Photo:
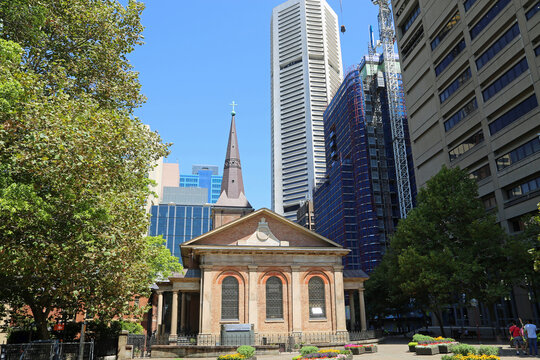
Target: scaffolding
(395, 105)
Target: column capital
(160, 292)
(295, 267)
(252, 267)
(338, 267)
(206, 267)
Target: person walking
(530, 331)
(516, 335)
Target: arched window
(317, 305)
(274, 298)
(229, 298)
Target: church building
(259, 272)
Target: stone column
(296, 291)
(206, 296)
(159, 311)
(183, 314)
(174, 316)
(363, 323)
(253, 297)
(352, 310)
(341, 324)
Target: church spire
(232, 184)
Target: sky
(199, 56)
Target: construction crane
(395, 105)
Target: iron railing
(53, 350)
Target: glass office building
(179, 223)
(357, 204)
(204, 176)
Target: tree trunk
(40, 318)
(438, 315)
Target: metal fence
(288, 341)
(138, 342)
(53, 350)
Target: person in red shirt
(517, 333)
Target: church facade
(257, 270)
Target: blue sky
(199, 56)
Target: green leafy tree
(74, 161)
(449, 246)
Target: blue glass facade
(179, 223)
(204, 179)
(357, 206)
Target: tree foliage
(449, 249)
(74, 160)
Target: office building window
(519, 153)
(229, 298)
(481, 173)
(461, 114)
(494, 49)
(529, 14)
(505, 79)
(468, 3)
(537, 50)
(450, 57)
(486, 19)
(489, 201)
(455, 85)
(466, 145)
(513, 114)
(274, 298)
(317, 300)
(410, 19)
(442, 34)
(523, 188)
(411, 44)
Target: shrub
(297, 357)
(308, 350)
(488, 350)
(421, 338)
(463, 349)
(413, 343)
(246, 350)
(132, 327)
(447, 357)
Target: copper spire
(232, 185)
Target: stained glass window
(229, 298)
(274, 298)
(317, 304)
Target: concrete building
(471, 70)
(306, 71)
(204, 176)
(357, 204)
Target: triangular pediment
(262, 228)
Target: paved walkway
(386, 352)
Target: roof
(225, 230)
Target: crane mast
(395, 105)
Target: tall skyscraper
(204, 176)
(470, 70)
(472, 80)
(306, 71)
(357, 205)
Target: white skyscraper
(306, 71)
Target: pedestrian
(516, 335)
(530, 332)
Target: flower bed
(324, 354)
(470, 357)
